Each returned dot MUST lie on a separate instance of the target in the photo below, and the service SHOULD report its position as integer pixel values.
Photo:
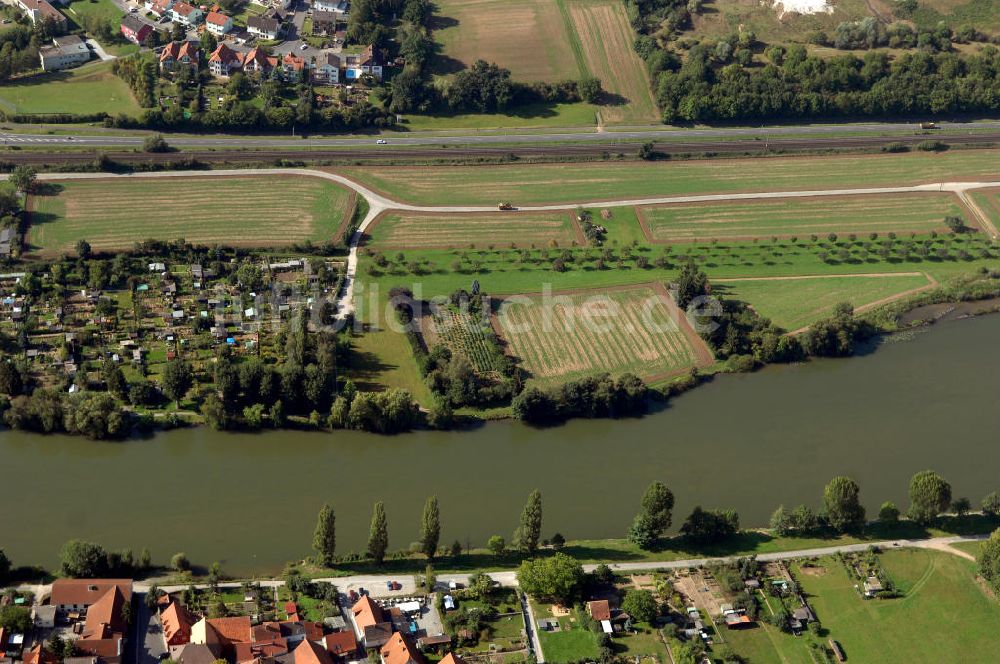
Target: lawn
(414, 230)
(91, 88)
(802, 217)
(525, 184)
(794, 303)
(634, 330)
(573, 645)
(765, 644)
(604, 35)
(983, 14)
(382, 359)
(529, 37)
(243, 211)
(944, 617)
(102, 10)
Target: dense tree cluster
(723, 80)
(557, 577)
(593, 396)
(654, 518)
(19, 50)
(836, 336)
(710, 526)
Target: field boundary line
(801, 277)
(352, 209)
(985, 222)
(575, 44)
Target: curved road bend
(378, 203)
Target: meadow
(91, 88)
(415, 230)
(796, 302)
(605, 37)
(242, 211)
(528, 37)
(945, 615)
(988, 202)
(802, 217)
(525, 184)
(635, 330)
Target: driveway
(99, 50)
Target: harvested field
(529, 37)
(415, 230)
(606, 41)
(796, 302)
(988, 202)
(802, 217)
(242, 211)
(525, 184)
(636, 329)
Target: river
(744, 441)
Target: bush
(179, 562)
(155, 143)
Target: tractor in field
(929, 125)
(504, 206)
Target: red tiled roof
(225, 55)
(400, 650)
(235, 630)
(183, 8)
(104, 617)
(86, 591)
(38, 656)
(216, 18)
(452, 658)
(308, 652)
(599, 609)
(177, 622)
(367, 612)
(340, 643)
(247, 652)
(291, 607)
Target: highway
(430, 139)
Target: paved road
(658, 133)
(379, 203)
(147, 645)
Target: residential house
(218, 23)
(186, 14)
(222, 634)
(335, 6)
(75, 595)
(376, 636)
(452, 658)
(177, 622)
(293, 68)
(179, 53)
(135, 29)
(341, 645)
(159, 8)
(192, 653)
(366, 62)
(65, 52)
(324, 22)
(105, 628)
(42, 10)
(263, 27)
(39, 656)
(224, 61)
(326, 69)
(366, 614)
(308, 652)
(257, 61)
(401, 650)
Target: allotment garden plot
(627, 330)
(465, 334)
(798, 216)
(243, 211)
(416, 230)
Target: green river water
(747, 441)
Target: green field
(802, 217)
(411, 230)
(91, 88)
(944, 617)
(103, 10)
(794, 303)
(525, 184)
(241, 211)
(765, 644)
(522, 117)
(635, 330)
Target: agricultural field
(988, 202)
(241, 211)
(605, 38)
(526, 116)
(414, 230)
(91, 88)
(529, 37)
(945, 616)
(463, 335)
(525, 184)
(796, 302)
(635, 330)
(801, 217)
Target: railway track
(388, 153)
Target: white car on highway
(381, 141)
